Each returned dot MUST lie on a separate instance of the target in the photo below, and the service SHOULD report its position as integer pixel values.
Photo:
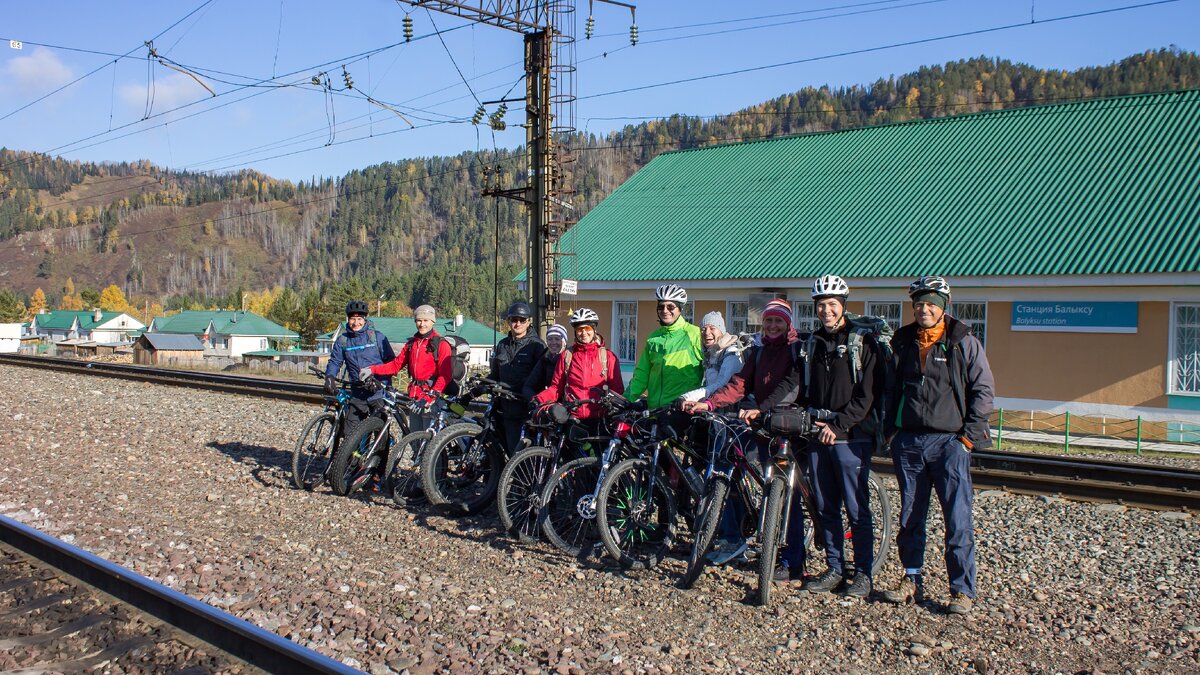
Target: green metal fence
(1063, 429)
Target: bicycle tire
(769, 552)
(313, 451)
(881, 519)
(450, 484)
(347, 461)
(519, 495)
(403, 474)
(711, 508)
(568, 515)
(633, 539)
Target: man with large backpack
(359, 346)
(427, 356)
(939, 408)
(513, 360)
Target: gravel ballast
(192, 489)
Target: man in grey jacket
(938, 408)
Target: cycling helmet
(929, 285)
(583, 315)
(830, 286)
(671, 292)
(357, 307)
(519, 308)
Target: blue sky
(298, 130)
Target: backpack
(460, 354)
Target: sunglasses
(668, 307)
(517, 319)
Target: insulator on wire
(479, 113)
(408, 28)
(316, 80)
(633, 36)
(589, 28)
(346, 78)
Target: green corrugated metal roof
(399, 329)
(196, 321)
(1107, 186)
(62, 319)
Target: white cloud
(37, 73)
(168, 91)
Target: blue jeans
(938, 461)
(839, 476)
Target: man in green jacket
(672, 361)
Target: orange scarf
(927, 338)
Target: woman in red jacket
(584, 369)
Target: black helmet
(519, 308)
(357, 307)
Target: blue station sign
(1075, 317)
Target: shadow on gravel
(272, 464)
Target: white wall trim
(901, 284)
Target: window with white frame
(1185, 349)
(804, 316)
(758, 302)
(688, 312)
(974, 314)
(888, 311)
(625, 338)
(735, 313)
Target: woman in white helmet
(585, 369)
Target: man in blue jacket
(360, 345)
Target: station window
(804, 316)
(758, 302)
(689, 312)
(974, 314)
(888, 311)
(1185, 349)
(625, 339)
(735, 314)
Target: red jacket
(584, 378)
(423, 369)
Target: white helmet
(672, 293)
(929, 285)
(584, 315)
(830, 286)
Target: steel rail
(234, 636)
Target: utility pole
(548, 27)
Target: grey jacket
(721, 363)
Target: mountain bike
(320, 438)
(366, 449)
(555, 435)
(402, 476)
(462, 463)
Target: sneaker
(824, 583)
(912, 589)
(860, 587)
(727, 551)
(784, 574)
(959, 604)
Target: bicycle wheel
(461, 469)
(313, 449)
(368, 440)
(769, 553)
(519, 497)
(568, 515)
(711, 508)
(881, 522)
(403, 475)
(636, 526)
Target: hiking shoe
(959, 604)
(727, 551)
(911, 590)
(824, 583)
(784, 574)
(860, 587)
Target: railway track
(63, 609)
(1140, 485)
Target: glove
(365, 374)
(639, 405)
(330, 386)
(693, 395)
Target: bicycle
(402, 475)
(524, 479)
(319, 438)
(462, 463)
(364, 450)
(784, 476)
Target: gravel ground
(191, 489)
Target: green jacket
(671, 365)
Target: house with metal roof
(1070, 235)
(399, 329)
(167, 348)
(93, 325)
(227, 332)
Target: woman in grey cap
(722, 356)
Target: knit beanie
(779, 308)
(425, 312)
(714, 319)
(558, 330)
(932, 298)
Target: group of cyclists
(924, 392)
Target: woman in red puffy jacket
(584, 369)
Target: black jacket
(542, 373)
(512, 362)
(953, 394)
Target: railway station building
(1069, 233)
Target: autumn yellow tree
(37, 302)
(71, 300)
(112, 299)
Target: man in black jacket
(512, 362)
(939, 408)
